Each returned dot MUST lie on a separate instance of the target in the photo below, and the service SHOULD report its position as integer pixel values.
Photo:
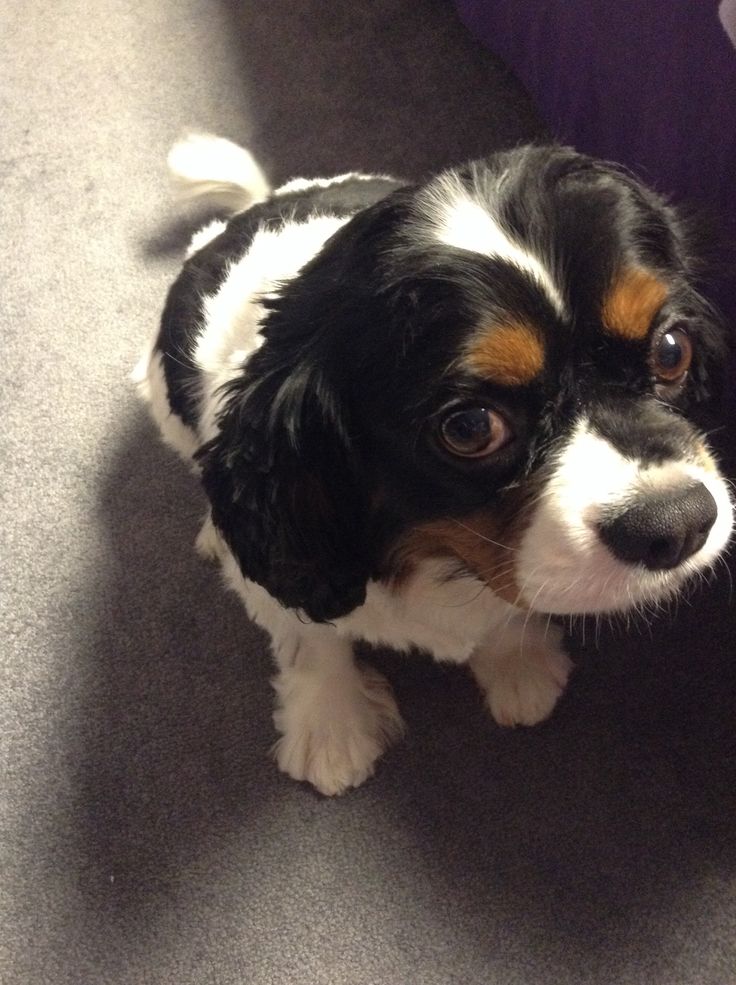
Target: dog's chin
(602, 586)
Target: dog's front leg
(522, 669)
(335, 718)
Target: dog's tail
(216, 172)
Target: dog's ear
(282, 480)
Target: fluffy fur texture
(432, 416)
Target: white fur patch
(151, 382)
(204, 236)
(523, 670)
(335, 720)
(447, 618)
(304, 184)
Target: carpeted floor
(145, 837)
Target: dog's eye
(474, 432)
(671, 355)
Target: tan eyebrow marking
(632, 302)
(510, 354)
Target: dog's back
(210, 321)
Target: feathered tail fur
(216, 172)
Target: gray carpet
(145, 836)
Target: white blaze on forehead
(459, 220)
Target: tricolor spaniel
(434, 415)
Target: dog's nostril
(662, 531)
(663, 552)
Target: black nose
(662, 531)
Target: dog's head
(496, 368)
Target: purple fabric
(649, 84)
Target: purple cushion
(649, 84)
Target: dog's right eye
(474, 432)
(671, 355)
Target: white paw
(523, 688)
(334, 728)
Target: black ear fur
(282, 481)
(283, 474)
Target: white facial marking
(563, 565)
(460, 221)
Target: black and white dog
(431, 416)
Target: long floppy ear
(284, 489)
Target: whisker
(482, 536)
(500, 569)
(530, 611)
(171, 355)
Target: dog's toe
(524, 674)
(333, 740)
(525, 691)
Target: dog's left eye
(474, 432)
(671, 355)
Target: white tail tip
(215, 170)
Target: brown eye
(474, 432)
(672, 353)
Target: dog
(434, 416)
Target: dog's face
(495, 368)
